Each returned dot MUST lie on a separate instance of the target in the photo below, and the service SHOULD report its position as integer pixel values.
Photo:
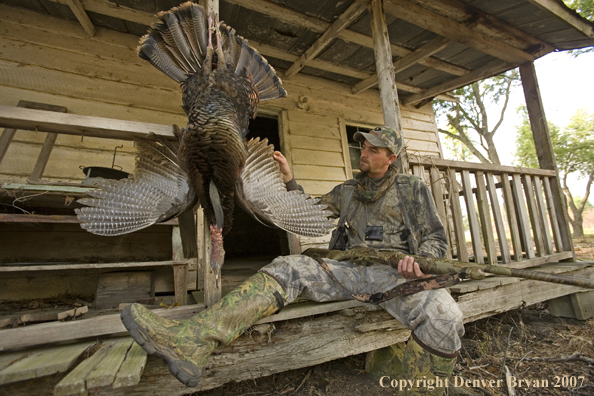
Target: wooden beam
(426, 19)
(443, 164)
(571, 17)
(488, 24)
(490, 69)
(296, 18)
(82, 16)
(341, 23)
(114, 10)
(384, 69)
(435, 45)
(544, 147)
(79, 125)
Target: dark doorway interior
(249, 238)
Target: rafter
(82, 16)
(343, 21)
(488, 24)
(274, 52)
(111, 9)
(561, 11)
(296, 18)
(414, 57)
(490, 69)
(429, 20)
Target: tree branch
(464, 139)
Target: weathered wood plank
(48, 333)
(43, 362)
(443, 164)
(457, 216)
(455, 31)
(533, 214)
(553, 215)
(339, 24)
(74, 124)
(544, 147)
(123, 287)
(105, 371)
(22, 267)
(82, 16)
(385, 69)
(501, 236)
(542, 212)
(75, 382)
(486, 224)
(438, 197)
(472, 218)
(566, 14)
(6, 359)
(404, 62)
(522, 212)
(132, 368)
(510, 210)
(346, 157)
(319, 173)
(44, 155)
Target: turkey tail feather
(262, 192)
(159, 191)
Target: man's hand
(284, 166)
(409, 269)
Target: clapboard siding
(46, 60)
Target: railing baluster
(437, 190)
(472, 218)
(523, 220)
(553, 215)
(546, 231)
(486, 224)
(533, 212)
(457, 216)
(510, 210)
(503, 246)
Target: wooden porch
(512, 220)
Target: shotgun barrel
(430, 265)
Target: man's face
(375, 160)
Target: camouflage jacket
(408, 194)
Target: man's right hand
(284, 166)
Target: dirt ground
(530, 343)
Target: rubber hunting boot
(186, 345)
(427, 371)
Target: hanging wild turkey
(212, 164)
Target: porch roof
(437, 45)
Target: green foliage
(586, 10)
(573, 146)
(525, 150)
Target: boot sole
(186, 372)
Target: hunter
(382, 210)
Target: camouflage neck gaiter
(370, 190)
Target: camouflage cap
(382, 136)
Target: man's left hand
(409, 269)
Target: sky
(566, 84)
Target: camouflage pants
(432, 315)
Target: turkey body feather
(221, 86)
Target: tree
(574, 151)
(468, 120)
(586, 10)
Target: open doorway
(250, 239)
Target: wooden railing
(510, 211)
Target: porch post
(385, 73)
(212, 293)
(544, 147)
